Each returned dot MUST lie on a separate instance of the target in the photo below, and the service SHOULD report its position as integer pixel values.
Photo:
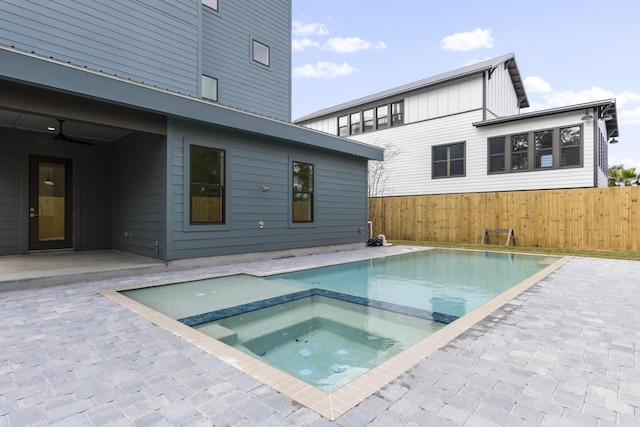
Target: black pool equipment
(374, 242)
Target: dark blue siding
(226, 55)
(138, 194)
(152, 41)
(340, 196)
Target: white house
(463, 131)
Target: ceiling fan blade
(64, 137)
(75, 141)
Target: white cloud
(534, 84)
(299, 45)
(351, 44)
(631, 117)
(468, 41)
(323, 70)
(301, 29)
(627, 103)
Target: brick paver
(566, 352)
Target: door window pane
(51, 202)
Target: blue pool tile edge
(223, 313)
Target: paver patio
(565, 352)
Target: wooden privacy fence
(585, 218)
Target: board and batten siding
(155, 42)
(446, 99)
(502, 100)
(227, 55)
(443, 100)
(340, 196)
(138, 194)
(409, 173)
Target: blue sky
(567, 52)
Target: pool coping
(329, 405)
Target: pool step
(220, 333)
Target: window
(519, 152)
(397, 113)
(213, 4)
(382, 117)
(355, 123)
(550, 149)
(448, 160)
(496, 154)
(367, 120)
(543, 142)
(209, 88)
(207, 185)
(302, 192)
(570, 142)
(371, 119)
(261, 53)
(343, 126)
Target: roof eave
(36, 70)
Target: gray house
(163, 129)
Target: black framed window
(519, 151)
(382, 117)
(536, 150)
(355, 123)
(261, 53)
(397, 113)
(543, 144)
(207, 194)
(302, 210)
(371, 119)
(448, 160)
(209, 88)
(496, 154)
(570, 143)
(343, 126)
(213, 4)
(367, 120)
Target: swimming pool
(448, 282)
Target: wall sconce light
(606, 117)
(613, 141)
(264, 188)
(587, 116)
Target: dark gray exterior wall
(152, 41)
(167, 44)
(254, 161)
(138, 190)
(91, 198)
(227, 48)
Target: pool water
(368, 310)
(324, 341)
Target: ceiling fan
(64, 137)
